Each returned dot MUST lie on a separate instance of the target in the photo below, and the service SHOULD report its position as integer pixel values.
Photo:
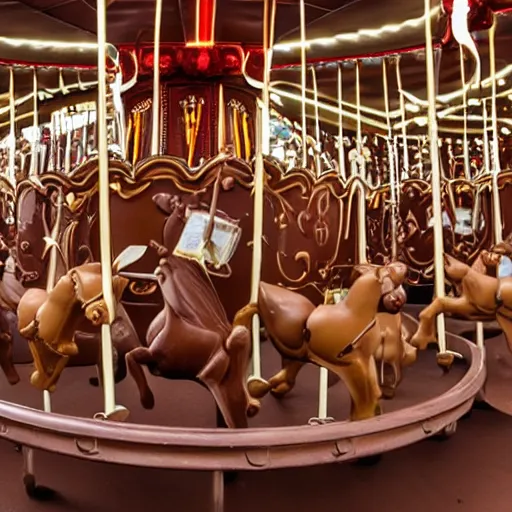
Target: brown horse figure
(342, 337)
(51, 320)
(395, 352)
(191, 337)
(480, 297)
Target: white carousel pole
(436, 179)
(467, 168)
(405, 161)
(35, 128)
(104, 214)
(303, 83)
(12, 130)
(391, 157)
(341, 145)
(487, 159)
(259, 182)
(268, 42)
(317, 149)
(361, 194)
(155, 129)
(496, 167)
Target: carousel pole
(405, 161)
(361, 194)
(392, 175)
(12, 131)
(259, 183)
(341, 146)
(496, 167)
(155, 129)
(317, 149)
(444, 358)
(36, 136)
(268, 42)
(303, 83)
(110, 407)
(487, 159)
(467, 171)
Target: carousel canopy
(62, 33)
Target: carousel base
(469, 474)
(498, 359)
(180, 432)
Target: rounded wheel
(37, 492)
(370, 461)
(446, 432)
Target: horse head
(391, 278)
(172, 206)
(31, 229)
(88, 290)
(454, 269)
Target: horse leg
(134, 359)
(426, 332)
(284, 381)
(231, 392)
(360, 377)
(6, 359)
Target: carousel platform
(467, 472)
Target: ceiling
(241, 21)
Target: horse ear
(163, 202)
(119, 284)
(364, 268)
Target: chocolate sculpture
(191, 337)
(49, 320)
(342, 337)
(479, 296)
(394, 352)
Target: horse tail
(244, 315)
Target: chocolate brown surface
(342, 337)
(191, 337)
(479, 296)
(91, 486)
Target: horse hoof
(281, 390)
(36, 380)
(148, 400)
(388, 392)
(445, 361)
(421, 342)
(253, 408)
(257, 387)
(14, 380)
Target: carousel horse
(480, 296)
(191, 337)
(11, 292)
(51, 321)
(342, 337)
(394, 352)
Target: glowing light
(374, 33)
(42, 44)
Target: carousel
(244, 236)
